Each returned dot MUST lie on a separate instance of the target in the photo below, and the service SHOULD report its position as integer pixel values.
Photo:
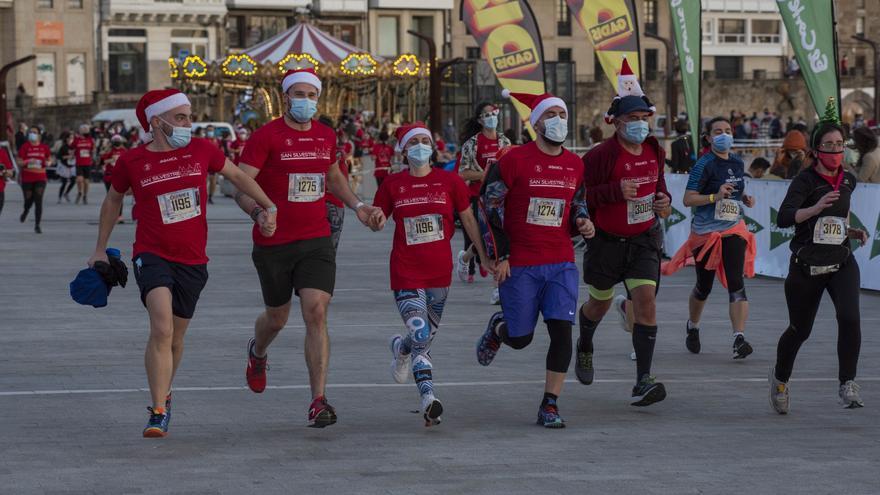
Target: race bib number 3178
(830, 230)
(180, 205)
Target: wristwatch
(272, 209)
(359, 205)
(255, 213)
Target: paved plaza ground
(72, 390)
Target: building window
(651, 67)
(74, 4)
(423, 25)
(598, 71)
(473, 53)
(563, 54)
(45, 4)
(387, 34)
(765, 31)
(731, 30)
(708, 33)
(235, 31)
(348, 34)
(244, 31)
(650, 16)
(128, 67)
(860, 26)
(563, 18)
(141, 33)
(728, 67)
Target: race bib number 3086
(305, 188)
(179, 205)
(423, 229)
(640, 210)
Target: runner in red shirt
(35, 157)
(6, 171)
(167, 177)
(84, 151)
(382, 153)
(108, 161)
(626, 192)
(294, 159)
(335, 208)
(482, 142)
(212, 137)
(535, 203)
(424, 202)
(236, 147)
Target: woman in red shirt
(35, 158)
(423, 203)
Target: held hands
(488, 263)
(662, 202)
(267, 223)
(372, 217)
(857, 234)
(749, 201)
(629, 189)
(586, 228)
(502, 271)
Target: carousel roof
(303, 38)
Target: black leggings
(733, 254)
(2, 198)
(559, 353)
(33, 196)
(472, 265)
(803, 293)
(66, 186)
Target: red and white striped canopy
(303, 38)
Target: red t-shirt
(631, 218)
(423, 209)
(537, 208)
(34, 160)
(382, 154)
(235, 149)
(169, 188)
(82, 150)
(108, 160)
(486, 151)
(441, 145)
(330, 198)
(5, 164)
(293, 171)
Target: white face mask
(419, 155)
(179, 137)
(556, 129)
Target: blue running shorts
(550, 289)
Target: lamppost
(873, 45)
(671, 93)
(3, 72)
(434, 123)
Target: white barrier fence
(773, 249)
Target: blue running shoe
(168, 408)
(157, 427)
(548, 416)
(489, 342)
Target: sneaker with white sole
(780, 400)
(495, 300)
(618, 303)
(431, 410)
(400, 367)
(461, 266)
(849, 395)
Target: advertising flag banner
(687, 30)
(613, 30)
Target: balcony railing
(731, 38)
(766, 39)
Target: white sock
(691, 326)
(737, 334)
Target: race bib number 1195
(180, 205)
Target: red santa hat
(407, 132)
(538, 103)
(154, 103)
(307, 76)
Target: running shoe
(168, 407)
(157, 426)
(470, 279)
(321, 413)
(85, 200)
(483, 272)
(37, 229)
(632, 356)
(431, 410)
(495, 300)
(849, 395)
(78, 198)
(400, 367)
(741, 348)
(461, 267)
(489, 342)
(648, 391)
(584, 366)
(23, 216)
(780, 400)
(692, 341)
(548, 416)
(619, 302)
(256, 369)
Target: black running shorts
(185, 281)
(609, 260)
(84, 171)
(283, 269)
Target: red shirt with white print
(82, 150)
(5, 164)
(632, 217)
(235, 149)
(423, 209)
(382, 154)
(34, 160)
(169, 188)
(109, 161)
(293, 172)
(537, 207)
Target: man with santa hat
(294, 159)
(535, 202)
(167, 176)
(626, 192)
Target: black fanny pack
(820, 259)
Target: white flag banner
(773, 243)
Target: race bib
(423, 229)
(546, 212)
(34, 164)
(84, 153)
(727, 210)
(305, 188)
(180, 205)
(829, 230)
(640, 210)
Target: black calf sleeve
(559, 353)
(516, 342)
(643, 339)
(587, 331)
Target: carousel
(246, 84)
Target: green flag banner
(810, 26)
(687, 28)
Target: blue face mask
(179, 137)
(210, 134)
(490, 122)
(32, 137)
(636, 132)
(722, 143)
(419, 155)
(556, 129)
(303, 109)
